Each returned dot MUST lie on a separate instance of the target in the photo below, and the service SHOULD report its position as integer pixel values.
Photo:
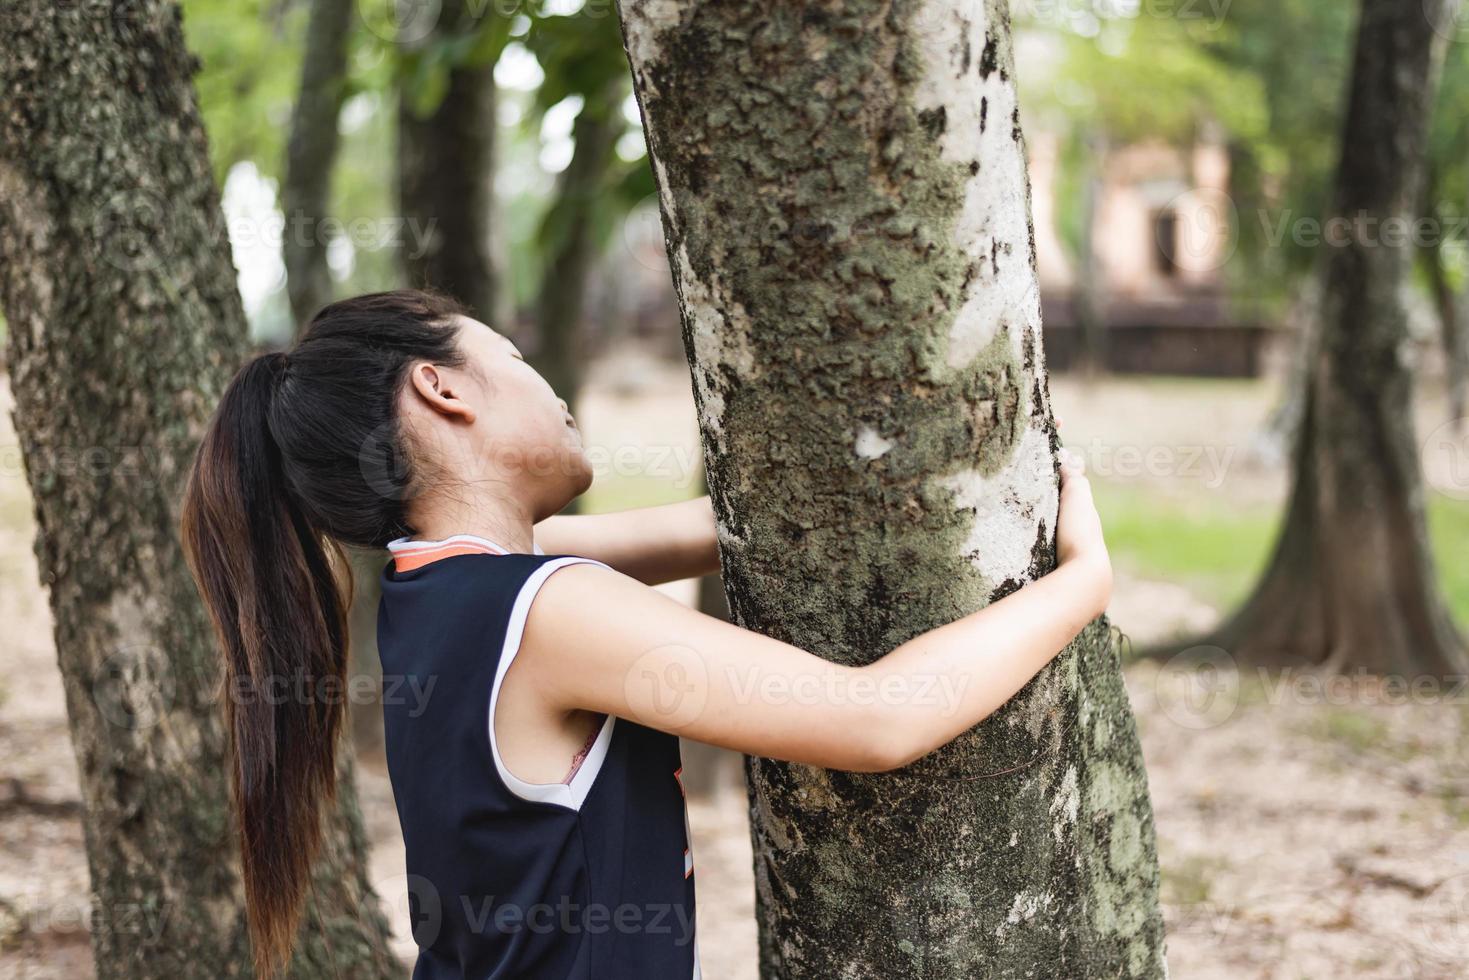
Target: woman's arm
(597, 640)
(650, 544)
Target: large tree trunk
(1351, 583)
(125, 324)
(446, 176)
(310, 154)
(846, 209)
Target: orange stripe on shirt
(408, 560)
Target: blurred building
(1149, 294)
(1149, 297)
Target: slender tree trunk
(567, 232)
(1351, 584)
(446, 177)
(310, 155)
(1280, 431)
(125, 324)
(846, 209)
(1450, 306)
(1091, 289)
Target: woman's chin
(589, 478)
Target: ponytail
(292, 466)
(269, 581)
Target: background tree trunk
(446, 177)
(1351, 583)
(571, 246)
(1447, 300)
(1091, 287)
(310, 155)
(846, 209)
(125, 324)
(568, 240)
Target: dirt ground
(1305, 831)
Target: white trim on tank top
(571, 795)
(400, 545)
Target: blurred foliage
(1269, 79)
(1149, 78)
(250, 54)
(250, 60)
(1301, 52)
(582, 57)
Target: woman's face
(522, 436)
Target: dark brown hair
(304, 454)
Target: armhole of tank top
(574, 793)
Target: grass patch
(1448, 529)
(1202, 544)
(1217, 549)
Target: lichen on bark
(846, 211)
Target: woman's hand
(1079, 539)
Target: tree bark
(1351, 583)
(311, 153)
(446, 178)
(846, 210)
(125, 324)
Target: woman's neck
(500, 521)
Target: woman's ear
(433, 386)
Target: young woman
(534, 682)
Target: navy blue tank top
(589, 879)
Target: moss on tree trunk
(125, 324)
(846, 211)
